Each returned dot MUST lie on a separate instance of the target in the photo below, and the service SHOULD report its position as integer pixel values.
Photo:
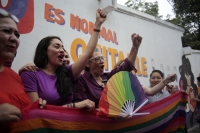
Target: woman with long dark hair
(53, 81)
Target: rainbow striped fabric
(122, 94)
(167, 115)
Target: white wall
(161, 40)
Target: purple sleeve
(29, 80)
(126, 66)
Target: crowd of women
(53, 80)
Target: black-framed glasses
(5, 13)
(98, 59)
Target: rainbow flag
(167, 115)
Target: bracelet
(69, 105)
(164, 83)
(73, 105)
(135, 48)
(96, 30)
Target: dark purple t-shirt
(45, 86)
(86, 86)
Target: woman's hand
(136, 40)
(28, 67)
(122, 118)
(169, 78)
(42, 103)
(184, 92)
(9, 113)
(172, 88)
(90, 105)
(100, 16)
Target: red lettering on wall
(74, 22)
(61, 20)
(49, 15)
(84, 26)
(109, 36)
(87, 26)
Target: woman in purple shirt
(50, 82)
(90, 84)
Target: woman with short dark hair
(156, 77)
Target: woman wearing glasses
(53, 81)
(12, 95)
(91, 83)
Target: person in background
(156, 77)
(54, 80)
(197, 100)
(12, 95)
(66, 59)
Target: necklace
(99, 81)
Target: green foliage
(146, 7)
(188, 16)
